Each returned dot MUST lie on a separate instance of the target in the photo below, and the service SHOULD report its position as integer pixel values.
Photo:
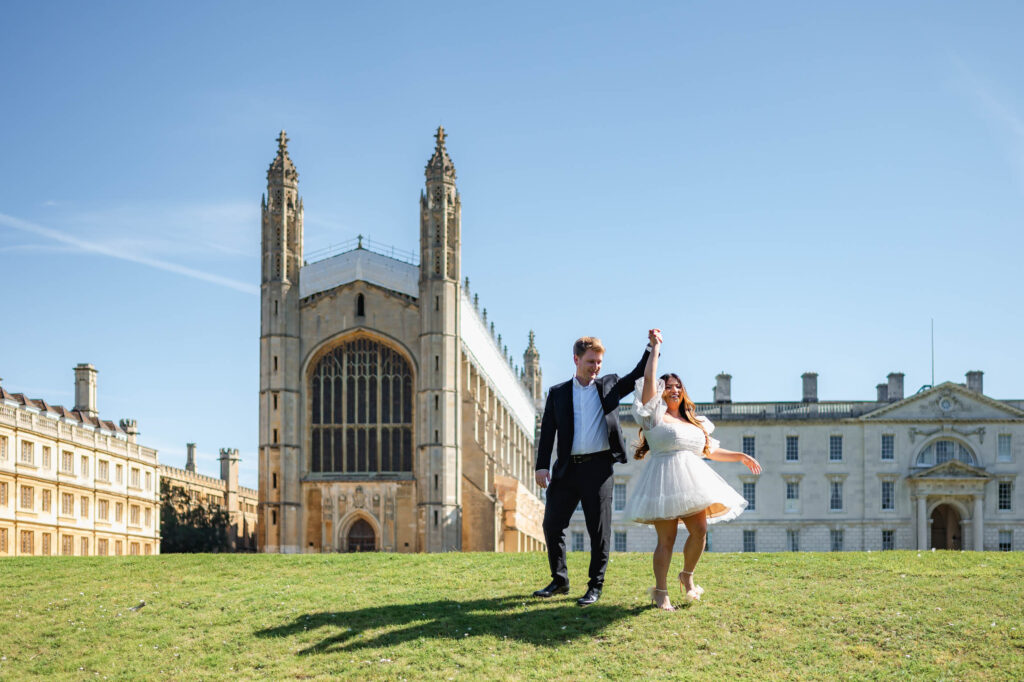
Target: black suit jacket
(558, 418)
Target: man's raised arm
(627, 383)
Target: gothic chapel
(391, 417)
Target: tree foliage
(187, 525)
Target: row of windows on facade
(215, 500)
(67, 545)
(888, 496)
(67, 464)
(792, 540)
(27, 497)
(618, 541)
(936, 453)
(835, 499)
(836, 540)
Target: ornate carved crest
(359, 498)
(947, 403)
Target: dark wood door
(946, 528)
(361, 537)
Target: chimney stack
(895, 388)
(723, 388)
(190, 461)
(131, 427)
(85, 389)
(810, 386)
(974, 381)
(883, 393)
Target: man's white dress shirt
(590, 431)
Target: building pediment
(953, 469)
(947, 401)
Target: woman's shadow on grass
(547, 623)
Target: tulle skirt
(677, 484)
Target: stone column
(979, 524)
(922, 522)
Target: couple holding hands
(676, 486)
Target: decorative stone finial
(440, 165)
(282, 170)
(360, 244)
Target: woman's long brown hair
(689, 413)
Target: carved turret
(282, 218)
(532, 373)
(440, 217)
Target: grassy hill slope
(469, 616)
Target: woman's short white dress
(676, 481)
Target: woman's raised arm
(651, 371)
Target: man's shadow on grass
(546, 623)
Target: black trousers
(589, 483)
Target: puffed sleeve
(709, 428)
(649, 414)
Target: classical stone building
(938, 468)
(71, 483)
(224, 493)
(391, 416)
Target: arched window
(944, 450)
(360, 306)
(361, 398)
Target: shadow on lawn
(548, 624)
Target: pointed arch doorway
(946, 533)
(361, 537)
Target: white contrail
(92, 247)
(997, 110)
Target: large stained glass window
(361, 396)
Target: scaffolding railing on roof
(361, 242)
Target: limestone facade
(224, 493)
(391, 416)
(939, 468)
(71, 483)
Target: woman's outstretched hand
(752, 464)
(654, 337)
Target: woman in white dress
(677, 486)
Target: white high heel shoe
(690, 595)
(652, 592)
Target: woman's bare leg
(666, 531)
(697, 525)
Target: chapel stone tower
(438, 454)
(279, 494)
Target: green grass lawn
(934, 615)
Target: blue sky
(782, 187)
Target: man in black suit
(584, 414)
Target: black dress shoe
(553, 588)
(592, 595)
